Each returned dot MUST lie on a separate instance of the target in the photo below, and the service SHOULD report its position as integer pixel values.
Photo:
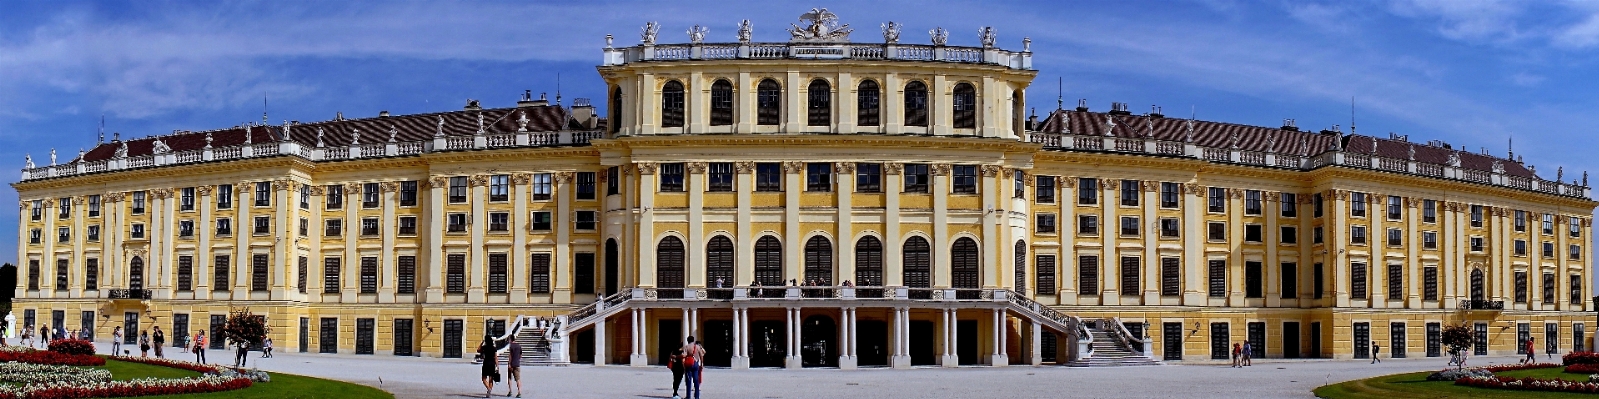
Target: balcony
(1479, 304)
(130, 294)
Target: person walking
(199, 347)
(1376, 349)
(513, 368)
(675, 364)
(1532, 357)
(266, 348)
(27, 336)
(116, 341)
(491, 372)
(1236, 349)
(1248, 353)
(693, 356)
(243, 354)
(144, 343)
(157, 340)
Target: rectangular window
(543, 186)
(1045, 223)
(1480, 342)
(457, 190)
(1520, 247)
(1357, 234)
(1218, 278)
(1318, 277)
(1520, 220)
(136, 230)
(301, 276)
(1087, 225)
(1220, 341)
(364, 330)
(186, 199)
(185, 273)
(369, 275)
(1574, 250)
(587, 220)
(613, 180)
(1548, 224)
(185, 228)
(258, 272)
(1396, 281)
(542, 221)
(93, 234)
(328, 335)
(1129, 274)
(37, 209)
(64, 234)
(408, 193)
(1435, 339)
(1395, 207)
(539, 273)
(1395, 237)
(1252, 204)
(585, 185)
(499, 188)
(1429, 240)
(1254, 280)
(1575, 228)
(1217, 201)
(1045, 265)
(1170, 228)
(94, 205)
(1476, 216)
(1170, 277)
(1289, 234)
(1088, 275)
(1548, 250)
(1254, 233)
(769, 176)
(818, 177)
(330, 275)
(263, 225)
(1290, 204)
(1357, 204)
(1476, 244)
(333, 228)
(407, 225)
(263, 193)
(371, 195)
(138, 202)
(224, 226)
(1289, 280)
(455, 273)
(1129, 226)
(964, 179)
(1357, 280)
(1129, 192)
(719, 177)
(1316, 201)
(1216, 231)
(33, 276)
(35, 236)
(66, 207)
(91, 274)
(1169, 193)
(1575, 290)
(583, 273)
(1021, 185)
(499, 221)
(1548, 288)
(1087, 191)
(916, 178)
(497, 266)
(455, 223)
(1429, 283)
(1521, 287)
(1396, 340)
(671, 175)
(221, 277)
(1429, 211)
(405, 274)
(868, 177)
(61, 276)
(369, 226)
(305, 199)
(334, 196)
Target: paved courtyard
(435, 378)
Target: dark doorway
(452, 338)
(1049, 347)
(1172, 335)
(922, 336)
(613, 260)
(767, 344)
(1315, 340)
(668, 338)
(819, 342)
(130, 328)
(1362, 338)
(1291, 340)
(583, 346)
(872, 349)
(966, 341)
(718, 342)
(305, 334)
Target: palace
(816, 202)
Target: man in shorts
(513, 368)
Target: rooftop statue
(28, 161)
(647, 34)
(891, 32)
(940, 36)
(744, 31)
(696, 34)
(159, 147)
(122, 150)
(822, 27)
(988, 36)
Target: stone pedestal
(847, 363)
(741, 363)
(639, 360)
(792, 362)
(901, 362)
(998, 360)
(949, 361)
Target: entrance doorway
(872, 350)
(767, 344)
(1172, 341)
(718, 342)
(668, 338)
(583, 346)
(966, 341)
(1291, 339)
(819, 342)
(921, 343)
(613, 258)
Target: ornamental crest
(893, 168)
(821, 27)
(844, 168)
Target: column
(640, 356)
(695, 184)
(520, 190)
(950, 359)
(388, 276)
(793, 185)
(1035, 358)
(433, 214)
(940, 240)
(741, 359)
(1194, 283)
(844, 174)
(846, 356)
(893, 270)
(791, 360)
(645, 245)
(901, 359)
(205, 228)
(744, 185)
(599, 342)
(350, 268)
(998, 357)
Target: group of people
(688, 361)
(1243, 353)
(45, 336)
(489, 352)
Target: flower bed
(1583, 368)
(1457, 374)
(1529, 384)
(26, 373)
(112, 389)
(177, 364)
(1580, 358)
(1513, 367)
(72, 347)
(48, 357)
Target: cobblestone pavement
(455, 378)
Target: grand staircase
(535, 347)
(1109, 352)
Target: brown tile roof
(1256, 138)
(372, 130)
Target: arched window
(136, 273)
(1021, 267)
(768, 103)
(615, 121)
(672, 104)
(769, 262)
(867, 103)
(819, 103)
(869, 262)
(915, 104)
(721, 103)
(964, 263)
(965, 106)
(1476, 285)
(719, 262)
(918, 263)
(819, 261)
(669, 267)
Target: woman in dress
(144, 343)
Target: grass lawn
(282, 385)
(1415, 385)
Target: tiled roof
(1256, 138)
(372, 130)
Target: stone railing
(361, 151)
(1059, 141)
(810, 51)
(128, 294)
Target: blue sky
(1472, 73)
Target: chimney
(471, 105)
(527, 99)
(1119, 108)
(541, 102)
(1290, 125)
(583, 112)
(1082, 105)
(1154, 112)
(383, 114)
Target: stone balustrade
(818, 51)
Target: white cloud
(1526, 79)
(1471, 20)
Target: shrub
(72, 347)
(1580, 358)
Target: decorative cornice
(563, 177)
(939, 169)
(522, 178)
(793, 167)
(696, 168)
(352, 188)
(115, 196)
(1195, 189)
(477, 180)
(744, 167)
(204, 190)
(991, 170)
(893, 168)
(315, 190)
(646, 168)
(389, 187)
(844, 168)
(438, 182)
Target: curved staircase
(1109, 352)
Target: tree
(1458, 338)
(245, 327)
